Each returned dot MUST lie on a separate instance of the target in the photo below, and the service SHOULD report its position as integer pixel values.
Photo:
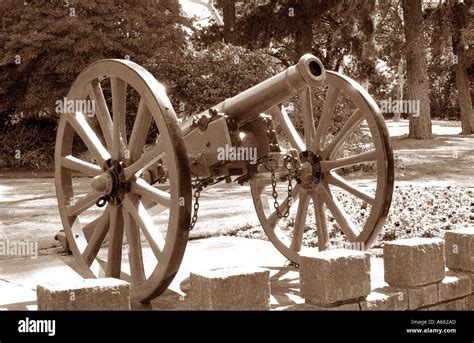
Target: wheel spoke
(88, 136)
(78, 206)
(340, 182)
(321, 224)
(81, 243)
(151, 206)
(102, 111)
(273, 219)
(101, 228)
(365, 157)
(300, 222)
(139, 131)
(74, 163)
(135, 254)
(281, 117)
(308, 118)
(141, 216)
(146, 160)
(141, 187)
(114, 258)
(153, 209)
(349, 126)
(325, 119)
(119, 96)
(337, 211)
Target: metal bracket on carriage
(156, 173)
(200, 121)
(277, 162)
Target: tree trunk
(401, 81)
(417, 80)
(304, 39)
(368, 50)
(228, 7)
(462, 79)
(304, 33)
(464, 96)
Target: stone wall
(421, 273)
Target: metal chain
(198, 187)
(197, 194)
(276, 204)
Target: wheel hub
(310, 174)
(111, 183)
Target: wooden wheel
(118, 163)
(361, 142)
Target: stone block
(414, 262)
(455, 286)
(460, 249)
(422, 296)
(240, 288)
(332, 276)
(385, 299)
(470, 302)
(88, 295)
(457, 305)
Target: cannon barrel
(309, 71)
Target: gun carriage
(141, 190)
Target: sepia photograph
(268, 158)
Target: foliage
(201, 79)
(416, 211)
(338, 28)
(54, 40)
(35, 149)
(196, 81)
(445, 22)
(367, 40)
(6, 117)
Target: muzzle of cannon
(128, 194)
(308, 72)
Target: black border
(328, 326)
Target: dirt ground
(446, 159)
(28, 209)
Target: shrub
(200, 79)
(28, 143)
